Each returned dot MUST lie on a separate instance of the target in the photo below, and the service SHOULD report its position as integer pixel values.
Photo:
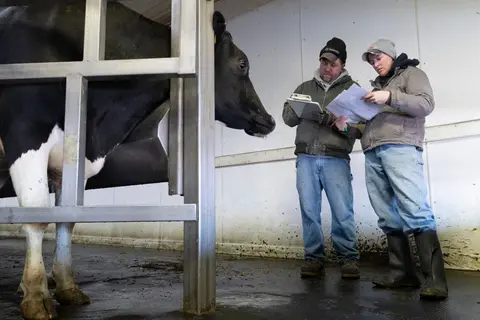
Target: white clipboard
(304, 107)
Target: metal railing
(191, 137)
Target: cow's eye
(243, 66)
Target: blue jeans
(315, 174)
(397, 189)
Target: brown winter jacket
(402, 121)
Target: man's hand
(324, 118)
(341, 123)
(377, 97)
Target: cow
(32, 116)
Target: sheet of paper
(304, 108)
(337, 110)
(350, 104)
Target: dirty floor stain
(132, 283)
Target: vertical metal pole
(175, 114)
(74, 141)
(73, 176)
(199, 162)
(188, 40)
(94, 40)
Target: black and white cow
(32, 116)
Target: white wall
(283, 39)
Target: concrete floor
(135, 284)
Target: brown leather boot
(312, 268)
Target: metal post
(175, 114)
(199, 166)
(73, 174)
(95, 20)
(76, 106)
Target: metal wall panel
(159, 10)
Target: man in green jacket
(393, 145)
(323, 163)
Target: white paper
(350, 104)
(304, 107)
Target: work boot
(350, 270)
(312, 268)
(431, 263)
(402, 266)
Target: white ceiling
(159, 10)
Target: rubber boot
(402, 266)
(431, 262)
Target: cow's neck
(109, 126)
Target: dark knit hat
(335, 48)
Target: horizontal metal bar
(89, 69)
(182, 212)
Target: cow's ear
(219, 25)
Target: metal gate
(191, 137)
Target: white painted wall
(283, 39)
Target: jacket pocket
(387, 126)
(414, 130)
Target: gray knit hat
(381, 45)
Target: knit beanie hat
(335, 48)
(381, 45)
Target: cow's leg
(30, 181)
(67, 291)
(50, 280)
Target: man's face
(381, 62)
(329, 70)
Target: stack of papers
(350, 104)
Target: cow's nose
(272, 121)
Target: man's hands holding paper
(377, 97)
(341, 123)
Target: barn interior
(135, 270)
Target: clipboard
(304, 107)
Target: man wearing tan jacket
(393, 145)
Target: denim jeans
(397, 189)
(315, 174)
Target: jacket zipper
(396, 73)
(323, 102)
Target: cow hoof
(72, 297)
(38, 307)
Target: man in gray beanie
(393, 144)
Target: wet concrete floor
(134, 284)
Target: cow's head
(237, 104)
